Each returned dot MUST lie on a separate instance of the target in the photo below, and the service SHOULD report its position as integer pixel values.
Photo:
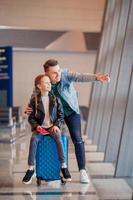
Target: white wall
(29, 63)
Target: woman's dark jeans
(74, 125)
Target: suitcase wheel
(63, 182)
(38, 181)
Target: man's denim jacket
(67, 90)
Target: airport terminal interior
(88, 36)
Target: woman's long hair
(36, 90)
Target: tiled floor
(13, 164)
(113, 189)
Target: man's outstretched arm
(87, 77)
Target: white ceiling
(57, 15)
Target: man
(62, 87)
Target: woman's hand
(55, 129)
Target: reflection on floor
(13, 164)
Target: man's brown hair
(50, 63)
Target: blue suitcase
(47, 162)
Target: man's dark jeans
(74, 125)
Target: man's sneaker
(28, 176)
(83, 176)
(66, 174)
